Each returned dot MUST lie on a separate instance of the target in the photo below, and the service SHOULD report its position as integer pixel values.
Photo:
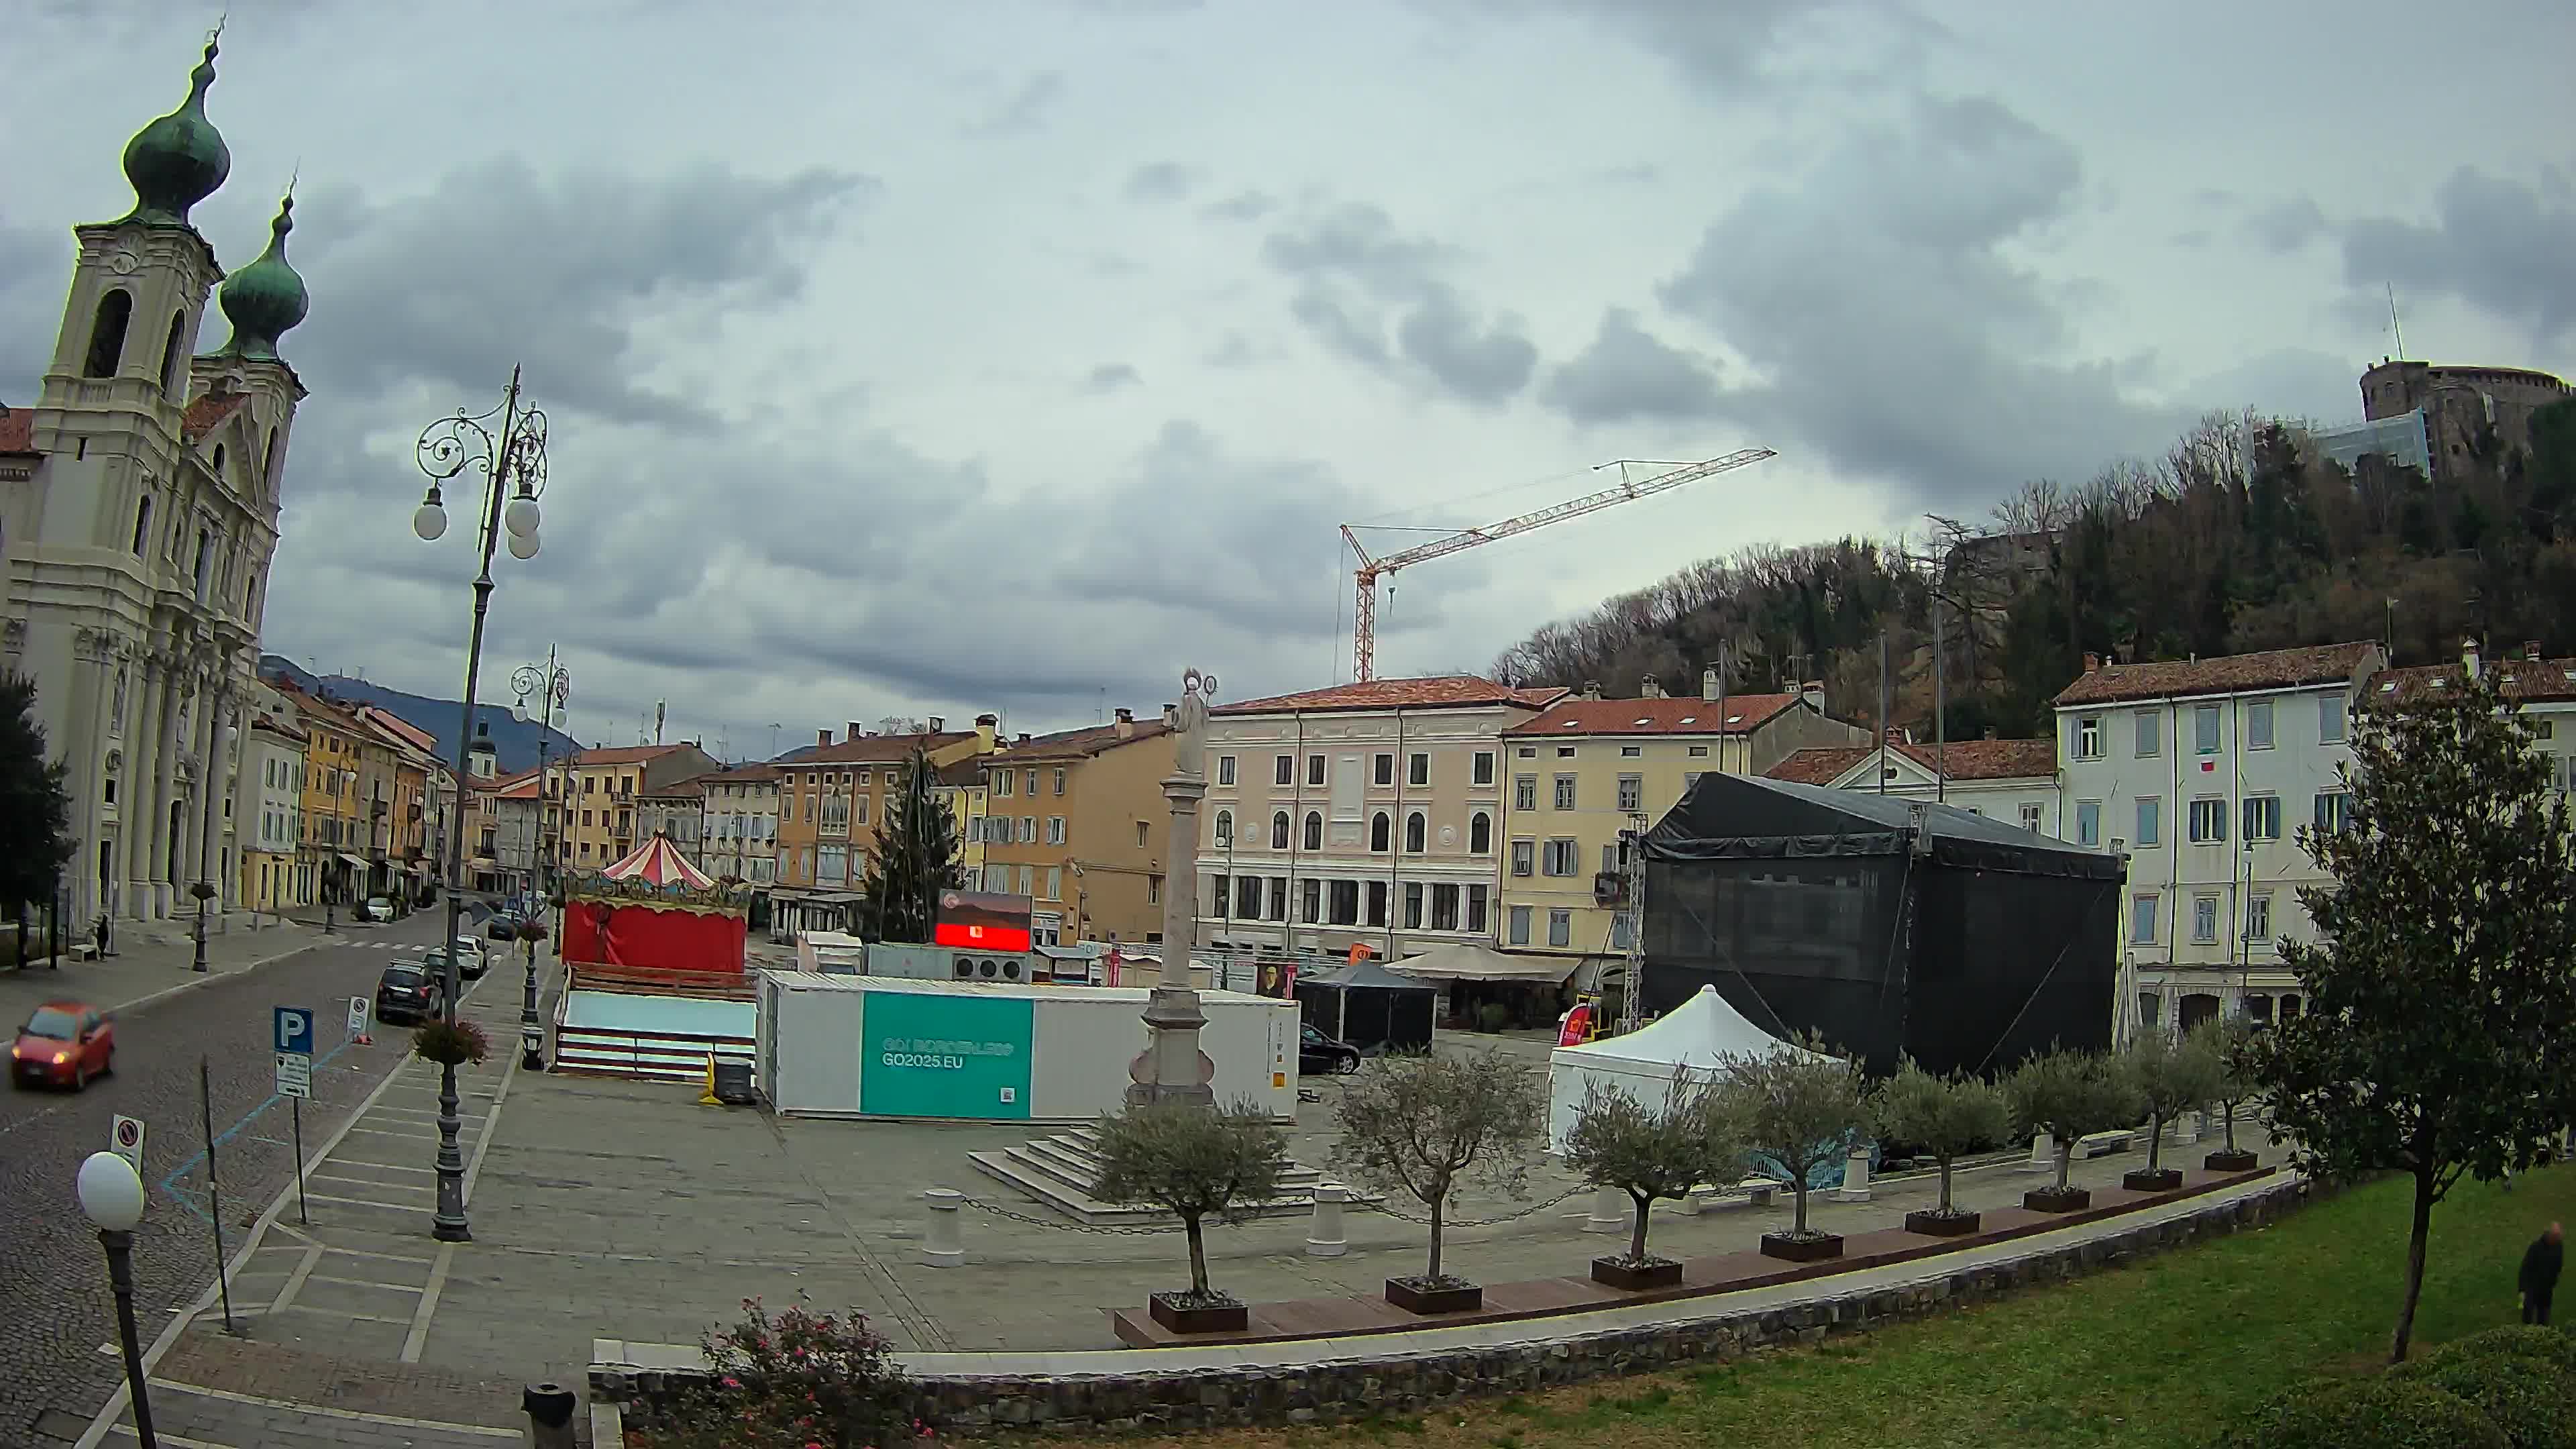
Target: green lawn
(2157, 1354)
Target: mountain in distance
(514, 744)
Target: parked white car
(378, 908)
(471, 963)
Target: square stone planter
(1618, 1272)
(1445, 1295)
(2157, 1179)
(1802, 1250)
(2057, 1200)
(2223, 1160)
(1933, 1224)
(1171, 1311)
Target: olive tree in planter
(2170, 1078)
(1193, 1163)
(2068, 1095)
(1946, 1117)
(1800, 1106)
(2228, 1042)
(1421, 1125)
(1652, 1154)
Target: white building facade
(741, 824)
(1349, 816)
(272, 817)
(2202, 772)
(2010, 780)
(138, 515)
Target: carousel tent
(1693, 1038)
(654, 911)
(1370, 1007)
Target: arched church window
(170, 379)
(142, 524)
(205, 558)
(219, 460)
(268, 461)
(107, 334)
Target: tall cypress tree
(35, 808)
(915, 858)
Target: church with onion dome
(138, 517)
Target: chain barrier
(1115, 1230)
(1447, 1223)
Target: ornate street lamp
(514, 458)
(111, 1197)
(551, 685)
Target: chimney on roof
(822, 737)
(939, 724)
(2092, 663)
(1650, 688)
(856, 732)
(1023, 739)
(2469, 656)
(2531, 649)
(1708, 684)
(1813, 692)
(1126, 725)
(1990, 732)
(986, 726)
(1592, 689)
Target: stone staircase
(1063, 1172)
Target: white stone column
(1172, 1068)
(944, 1246)
(2043, 1154)
(152, 791)
(1328, 1236)
(1855, 1186)
(1610, 1208)
(2186, 1128)
(212, 791)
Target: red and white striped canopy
(658, 862)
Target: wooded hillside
(2240, 537)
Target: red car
(64, 1044)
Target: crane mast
(1364, 615)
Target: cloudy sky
(943, 358)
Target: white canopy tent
(1691, 1038)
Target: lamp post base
(120, 1280)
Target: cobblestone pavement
(227, 1394)
(54, 1296)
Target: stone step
(1060, 1157)
(1066, 1179)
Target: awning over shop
(1467, 961)
(359, 861)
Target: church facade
(138, 517)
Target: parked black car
(407, 992)
(504, 926)
(1318, 1054)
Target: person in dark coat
(2539, 1279)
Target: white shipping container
(865, 1046)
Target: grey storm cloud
(2503, 246)
(1111, 376)
(1629, 373)
(1381, 298)
(1726, 46)
(497, 265)
(1891, 331)
(1161, 181)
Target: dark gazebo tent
(1370, 1007)
(1888, 925)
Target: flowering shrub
(451, 1043)
(798, 1379)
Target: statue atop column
(1172, 1068)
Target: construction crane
(1364, 618)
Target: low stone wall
(1404, 1383)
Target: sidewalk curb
(104, 1422)
(212, 975)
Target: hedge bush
(2514, 1340)
(2388, 1412)
(2526, 1397)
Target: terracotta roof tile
(17, 430)
(2529, 680)
(283, 729)
(1964, 759)
(1083, 743)
(695, 785)
(875, 749)
(208, 412)
(1694, 716)
(743, 775)
(624, 754)
(1444, 691)
(965, 774)
(2227, 674)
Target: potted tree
(2230, 1043)
(1946, 1117)
(1193, 1163)
(1651, 1153)
(1421, 1125)
(1800, 1106)
(2170, 1078)
(2068, 1094)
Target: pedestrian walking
(2540, 1264)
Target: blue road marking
(227, 1135)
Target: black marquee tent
(1888, 925)
(1370, 1007)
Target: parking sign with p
(294, 1030)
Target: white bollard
(945, 1245)
(1609, 1212)
(1326, 1237)
(2043, 1154)
(1855, 1186)
(2186, 1129)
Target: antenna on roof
(2393, 325)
